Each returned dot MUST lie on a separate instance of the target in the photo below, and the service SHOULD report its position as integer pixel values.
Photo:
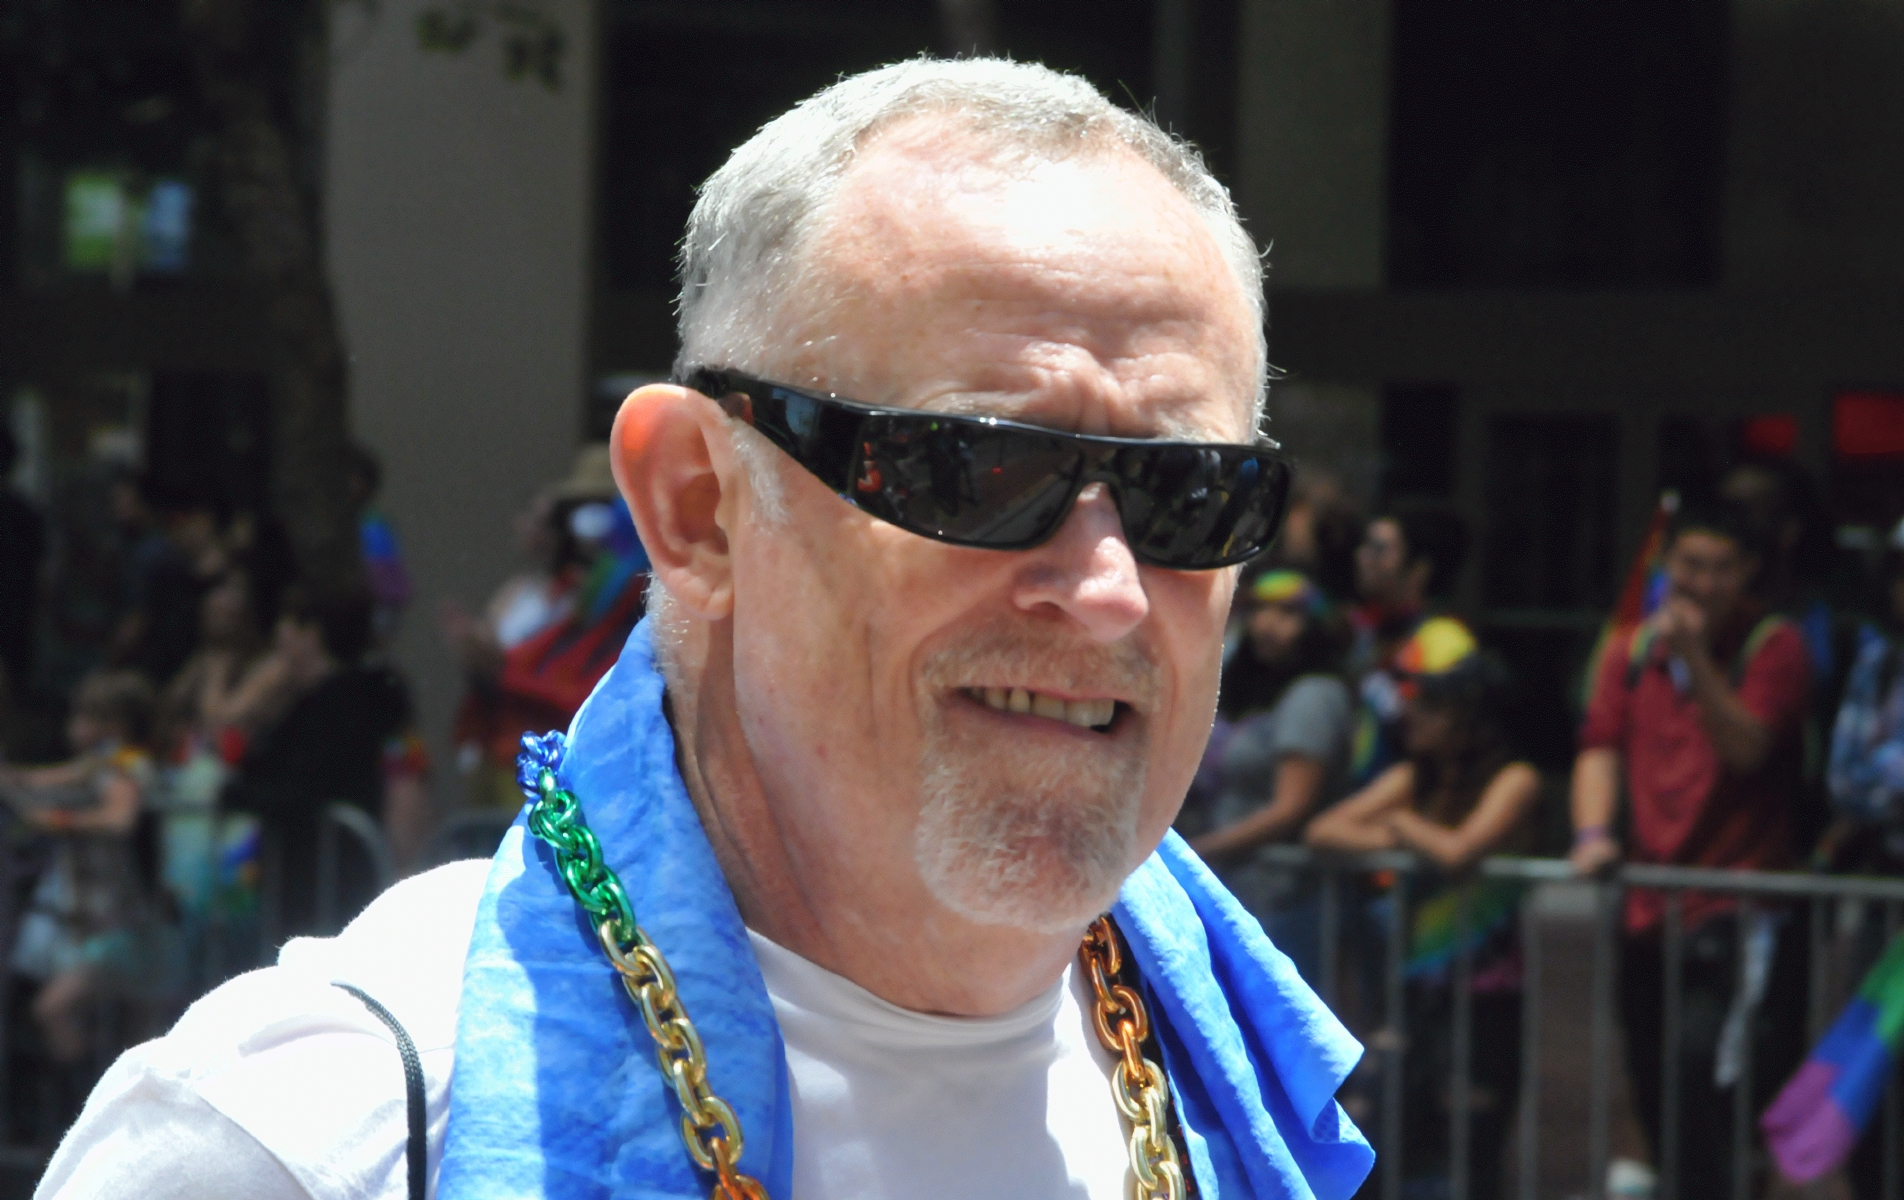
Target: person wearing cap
(853, 877)
(1279, 754)
(548, 635)
(1697, 715)
(1459, 795)
(1409, 560)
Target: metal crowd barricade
(347, 821)
(1749, 888)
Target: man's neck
(889, 936)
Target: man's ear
(673, 460)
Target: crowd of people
(167, 833)
(1736, 712)
(1367, 717)
(1733, 714)
(174, 831)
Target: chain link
(1137, 1084)
(709, 1128)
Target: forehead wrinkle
(1140, 379)
(988, 217)
(1032, 361)
(1049, 278)
(1039, 284)
(1144, 380)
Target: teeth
(1087, 714)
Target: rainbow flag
(1437, 934)
(1817, 1118)
(1639, 595)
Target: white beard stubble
(1011, 836)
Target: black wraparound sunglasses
(1003, 485)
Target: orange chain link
(1137, 1084)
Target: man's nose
(1087, 570)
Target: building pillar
(457, 214)
(1312, 134)
(1311, 182)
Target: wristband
(1589, 833)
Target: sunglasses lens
(1185, 507)
(963, 482)
(1193, 507)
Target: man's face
(1711, 570)
(1381, 562)
(881, 676)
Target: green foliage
(532, 40)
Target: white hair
(668, 628)
(746, 235)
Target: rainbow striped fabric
(1437, 933)
(1816, 1120)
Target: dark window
(101, 87)
(1692, 453)
(1420, 427)
(1550, 512)
(686, 83)
(684, 86)
(1555, 143)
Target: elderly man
(944, 509)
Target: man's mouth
(1096, 714)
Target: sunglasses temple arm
(766, 413)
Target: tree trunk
(245, 54)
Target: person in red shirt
(1699, 711)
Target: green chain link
(556, 818)
(710, 1129)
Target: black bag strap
(419, 1148)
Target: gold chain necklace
(1137, 1084)
(709, 1126)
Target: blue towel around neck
(556, 1092)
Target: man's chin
(1044, 859)
(1034, 899)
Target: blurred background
(1534, 258)
(348, 286)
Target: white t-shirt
(893, 1103)
(280, 1086)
